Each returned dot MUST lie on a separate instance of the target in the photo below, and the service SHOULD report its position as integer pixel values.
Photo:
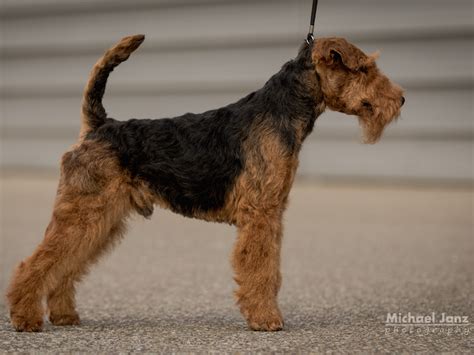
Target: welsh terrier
(235, 165)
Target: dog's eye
(367, 105)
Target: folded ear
(334, 51)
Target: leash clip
(310, 37)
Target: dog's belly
(189, 185)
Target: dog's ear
(336, 51)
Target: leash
(310, 37)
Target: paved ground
(351, 255)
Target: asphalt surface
(350, 256)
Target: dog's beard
(372, 128)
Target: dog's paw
(263, 318)
(267, 324)
(65, 319)
(24, 324)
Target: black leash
(310, 37)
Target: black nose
(403, 100)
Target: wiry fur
(351, 83)
(235, 165)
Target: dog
(234, 165)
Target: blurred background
(370, 229)
(202, 54)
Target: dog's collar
(310, 37)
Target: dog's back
(192, 161)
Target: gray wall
(205, 53)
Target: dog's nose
(403, 100)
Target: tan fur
(93, 201)
(262, 193)
(93, 109)
(348, 77)
(256, 205)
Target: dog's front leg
(256, 261)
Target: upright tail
(93, 113)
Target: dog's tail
(93, 113)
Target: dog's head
(351, 83)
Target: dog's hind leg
(61, 302)
(83, 225)
(61, 299)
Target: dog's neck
(294, 93)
